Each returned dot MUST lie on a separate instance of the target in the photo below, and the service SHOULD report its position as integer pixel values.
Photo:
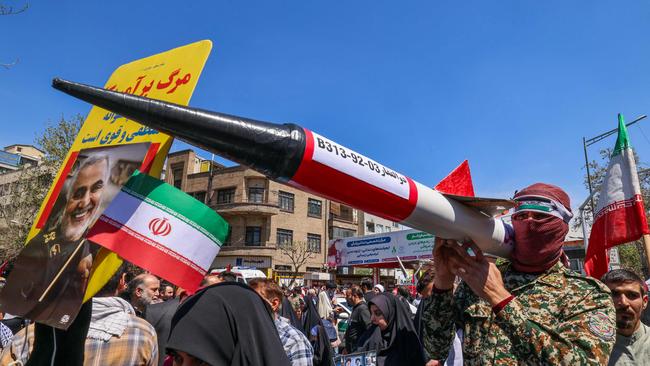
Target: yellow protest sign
(58, 266)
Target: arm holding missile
(441, 312)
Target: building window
(177, 175)
(396, 225)
(370, 227)
(380, 228)
(314, 208)
(254, 236)
(200, 196)
(226, 195)
(255, 194)
(338, 232)
(285, 201)
(282, 267)
(313, 269)
(284, 238)
(313, 243)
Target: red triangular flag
(458, 182)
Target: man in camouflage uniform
(532, 310)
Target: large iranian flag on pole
(620, 216)
(161, 229)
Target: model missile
(301, 158)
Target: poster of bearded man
(57, 261)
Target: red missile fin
(458, 182)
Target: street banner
(381, 249)
(161, 229)
(58, 266)
(620, 216)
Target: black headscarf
(227, 324)
(398, 344)
(323, 352)
(310, 317)
(286, 311)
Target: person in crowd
(143, 290)
(116, 336)
(378, 289)
(210, 279)
(296, 345)
(366, 287)
(359, 319)
(166, 291)
(225, 324)
(532, 310)
(314, 329)
(322, 343)
(227, 276)
(324, 305)
(331, 289)
(403, 291)
(424, 286)
(630, 297)
(311, 296)
(160, 316)
(424, 289)
(298, 308)
(295, 297)
(5, 335)
(287, 312)
(392, 334)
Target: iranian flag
(161, 229)
(620, 216)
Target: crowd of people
(465, 309)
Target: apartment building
(263, 215)
(15, 156)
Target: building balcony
(346, 219)
(258, 208)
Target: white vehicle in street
(243, 274)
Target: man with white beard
(144, 289)
(46, 254)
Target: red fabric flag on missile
(458, 182)
(620, 216)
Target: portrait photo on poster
(50, 275)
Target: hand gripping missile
(298, 157)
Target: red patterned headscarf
(538, 242)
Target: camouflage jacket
(558, 317)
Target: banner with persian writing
(380, 249)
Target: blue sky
(513, 86)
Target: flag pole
(61, 270)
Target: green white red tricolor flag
(620, 216)
(161, 229)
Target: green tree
(632, 255)
(30, 185)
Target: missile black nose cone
(274, 150)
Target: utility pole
(209, 189)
